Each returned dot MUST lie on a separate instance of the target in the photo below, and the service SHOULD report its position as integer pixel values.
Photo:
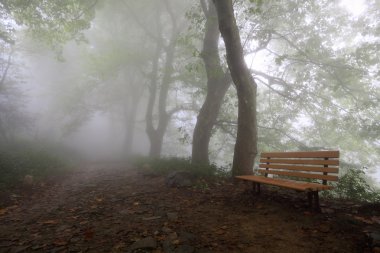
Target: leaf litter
(114, 209)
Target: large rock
(180, 179)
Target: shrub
(353, 185)
(166, 165)
(26, 158)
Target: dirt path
(113, 209)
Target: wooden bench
(299, 168)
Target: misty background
(316, 66)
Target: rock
(172, 216)
(180, 179)
(173, 236)
(168, 247)
(146, 243)
(185, 249)
(166, 230)
(186, 237)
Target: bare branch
(139, 23)
(5, 72)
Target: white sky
(356, 7)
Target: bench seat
(290, 184)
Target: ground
(109, 208)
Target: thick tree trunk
(217, 86)
(246, 141)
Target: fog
(189, 126)
(129, 80)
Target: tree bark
(217, 85)
(246, 141)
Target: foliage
(53, 22)
(39, 160)
(166, 165)
(353, 185)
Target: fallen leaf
(88, 234)
(151, 218)
(219, 232)
(3, 211)
(60, 242)
(49, 222)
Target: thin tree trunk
(217, 86)
(131, 121)
(156, 135)
(150, 130)
(246, 141)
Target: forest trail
(108, 208)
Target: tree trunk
(246, 141)
(131, 121)
(217, 86)
(156, 135)
(150, 130)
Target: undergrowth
(38, 160)
(165, 165)
(354, 186)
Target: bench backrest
(311, 164)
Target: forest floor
(113, 209)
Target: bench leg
(313, 199)
(310, 199)
(256, 188)
(316, 202)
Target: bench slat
(300, 168)
(299, 174)
(299, 161)
(312, 154)
(300, 186)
